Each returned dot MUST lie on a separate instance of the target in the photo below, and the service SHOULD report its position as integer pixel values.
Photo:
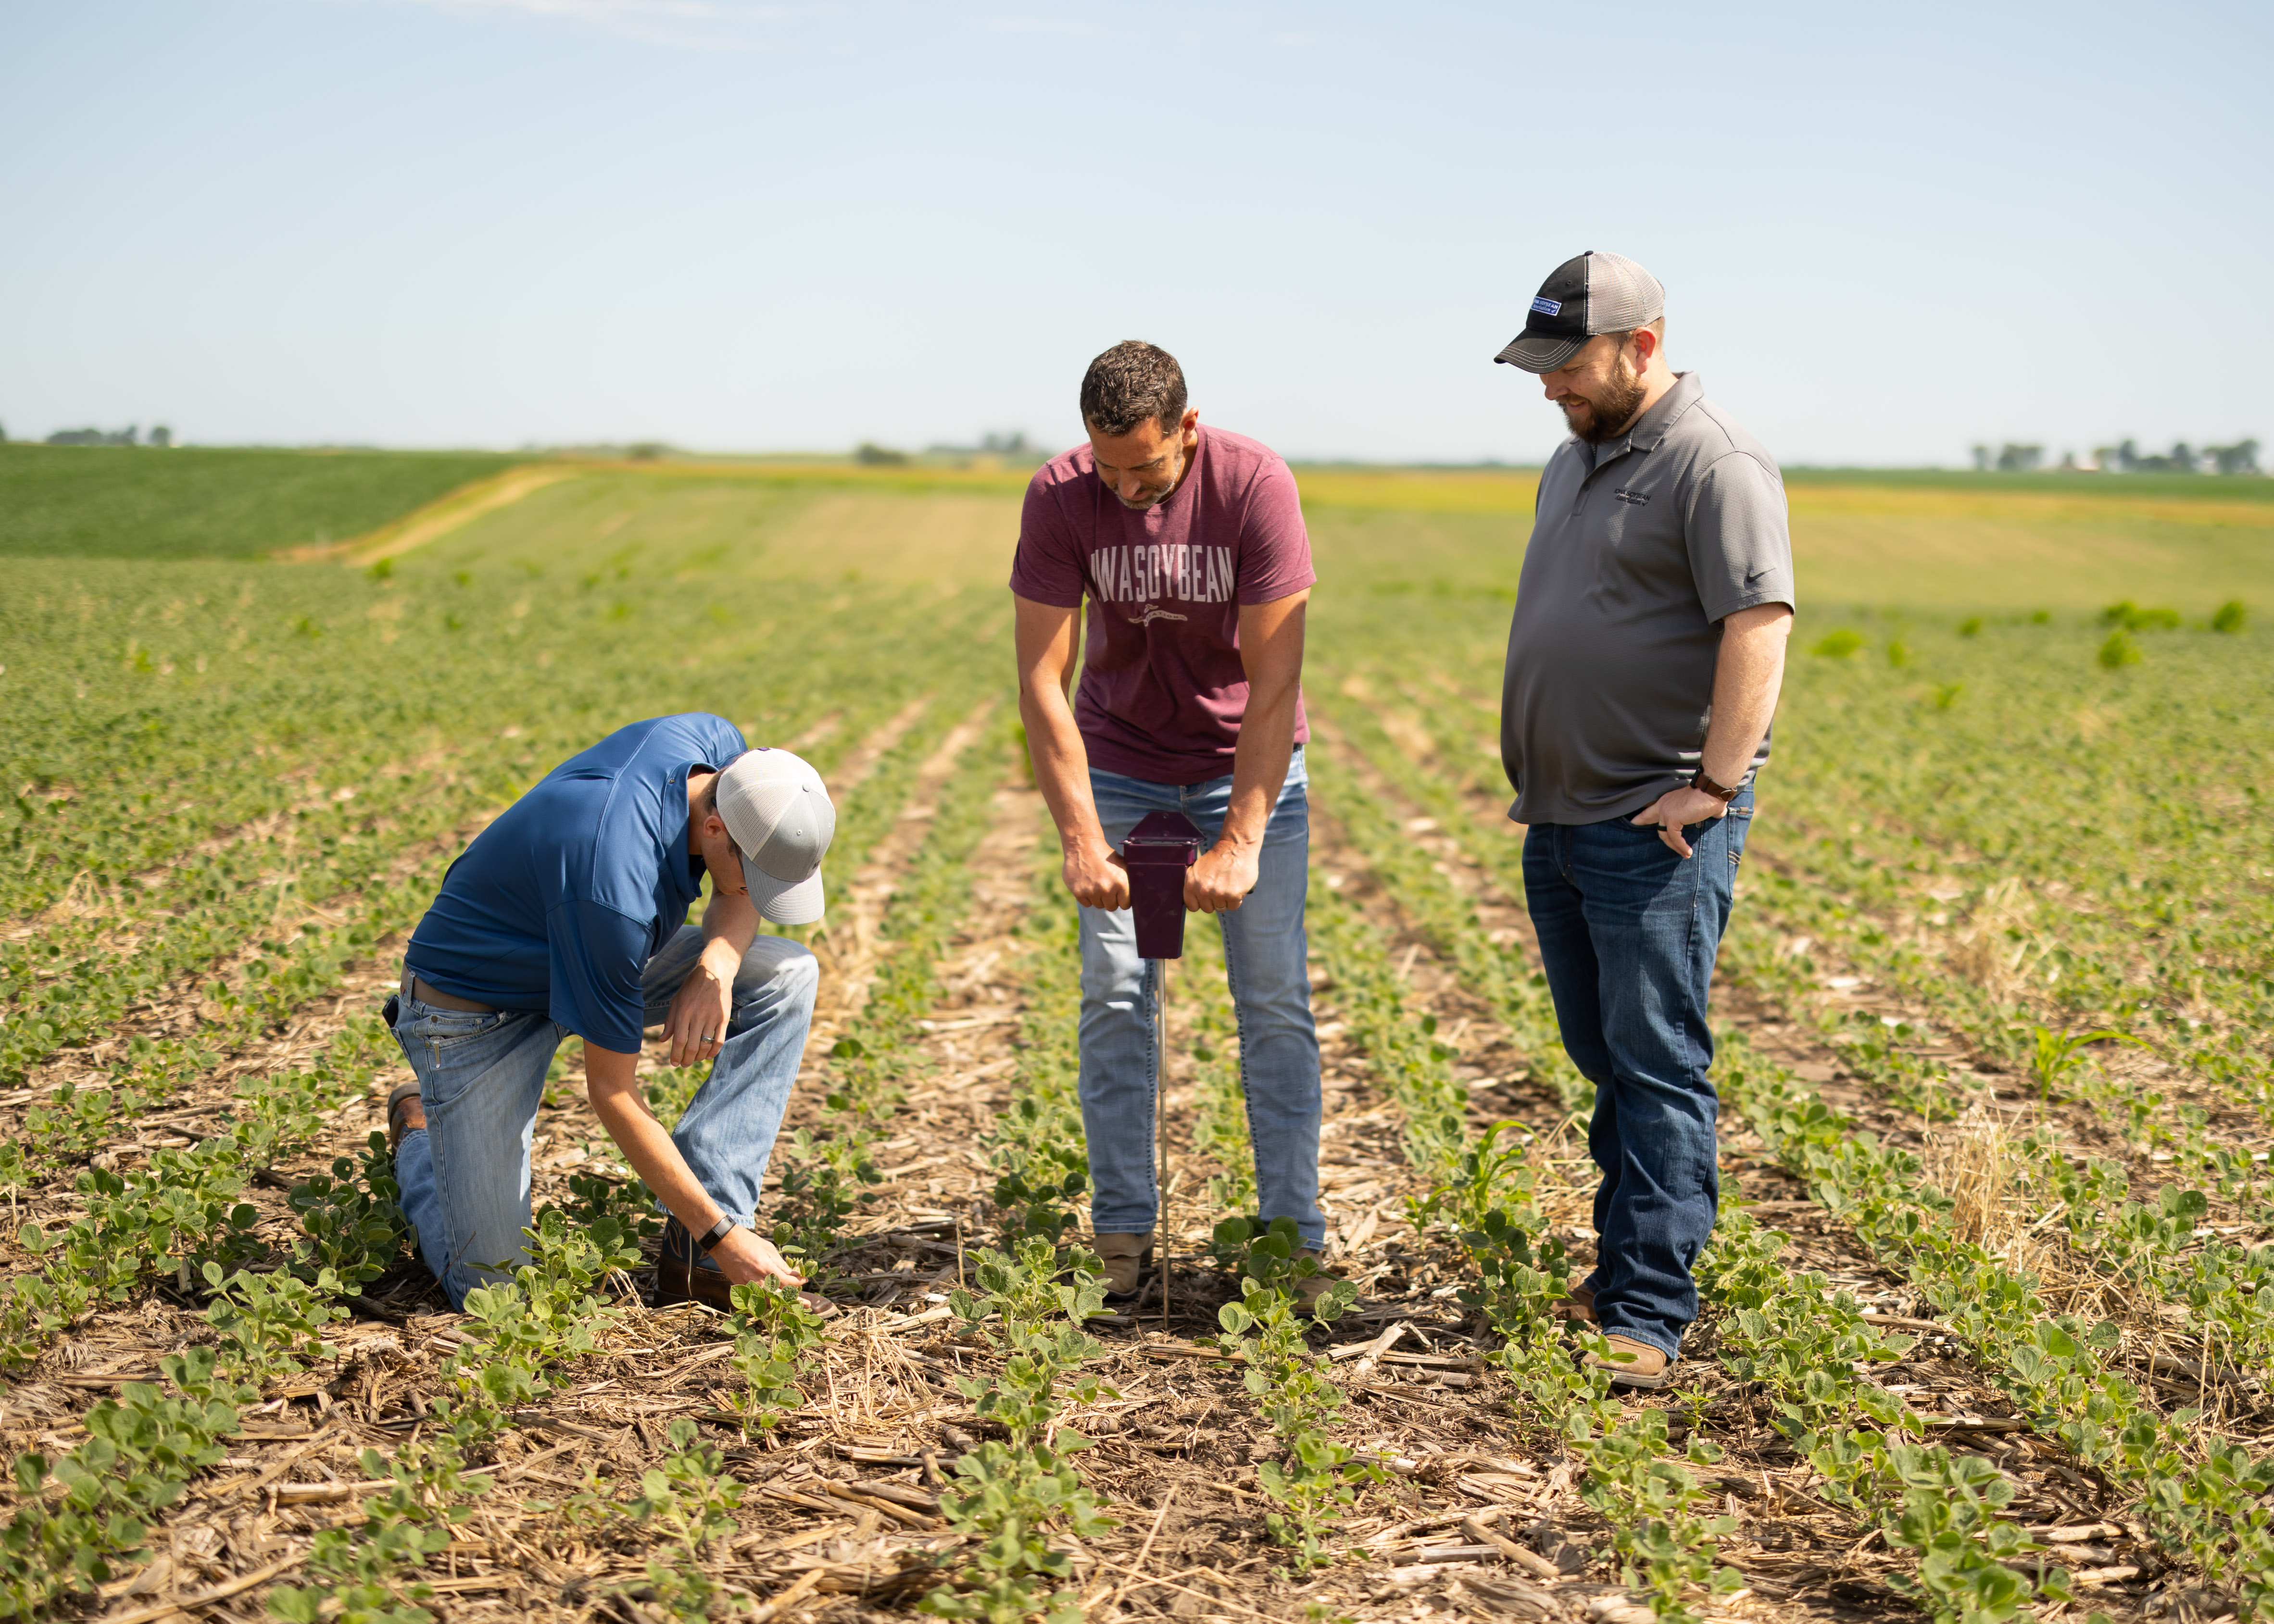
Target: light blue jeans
(465, 1177)
(1264, 952)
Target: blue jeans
(1627, 934)
(1265, 954)
(465, 1177)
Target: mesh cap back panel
(1621, 295)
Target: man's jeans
(1628, 933)
(1264, 957)
(465, 1177)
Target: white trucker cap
(778, 813)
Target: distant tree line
(1013, 447)
(2239, 458)
(130, 435)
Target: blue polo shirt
(557, 906)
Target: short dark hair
(1130, 383)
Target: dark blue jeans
(1628, 934)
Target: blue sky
(1887, 233)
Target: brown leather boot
(406, 1113)
(1633, 1364)
(1578, 1305)
(1311, 1287)
(1125, 1257)
(681, 1277)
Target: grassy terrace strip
(188, 700)
(2201, 1500)
(90, 501)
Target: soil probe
(1158, 851)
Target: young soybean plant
(773, 1327)
(268, 1322)
(690, 1500)
(1314, 1484)
(369, 1573)
(1011, 1493)
(355, 1228)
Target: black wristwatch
(1701, 782)
(710, 1238)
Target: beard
(1152, 495)
(1596, 418)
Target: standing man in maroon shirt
(1188, 545)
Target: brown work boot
(406, 1113)
(1126, 1258)
(1633, 1364)
(681, 1277)
(1578, 1305)
(1311, 1287)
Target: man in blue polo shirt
(567, 914)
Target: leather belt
(417, 987)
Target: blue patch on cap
(1549, 307)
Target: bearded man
(1643, 662)
(1188, 545)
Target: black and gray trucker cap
(1590, 294)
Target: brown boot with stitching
(1126, 1258)
(1633, 1364)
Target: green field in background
(122, 502)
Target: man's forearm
(612, 1086)
(1747, 677)
(1259, 767)
(731, 919)
(1061, 765)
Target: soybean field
(1988, 1310)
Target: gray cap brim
(1536, 352)
(786, 902)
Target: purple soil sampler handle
(1157, 852)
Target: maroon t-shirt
(1163, 690)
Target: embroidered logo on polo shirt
(1549, 307)
(1635, 498)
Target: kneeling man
(567, 914)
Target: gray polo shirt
(1641, 547)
